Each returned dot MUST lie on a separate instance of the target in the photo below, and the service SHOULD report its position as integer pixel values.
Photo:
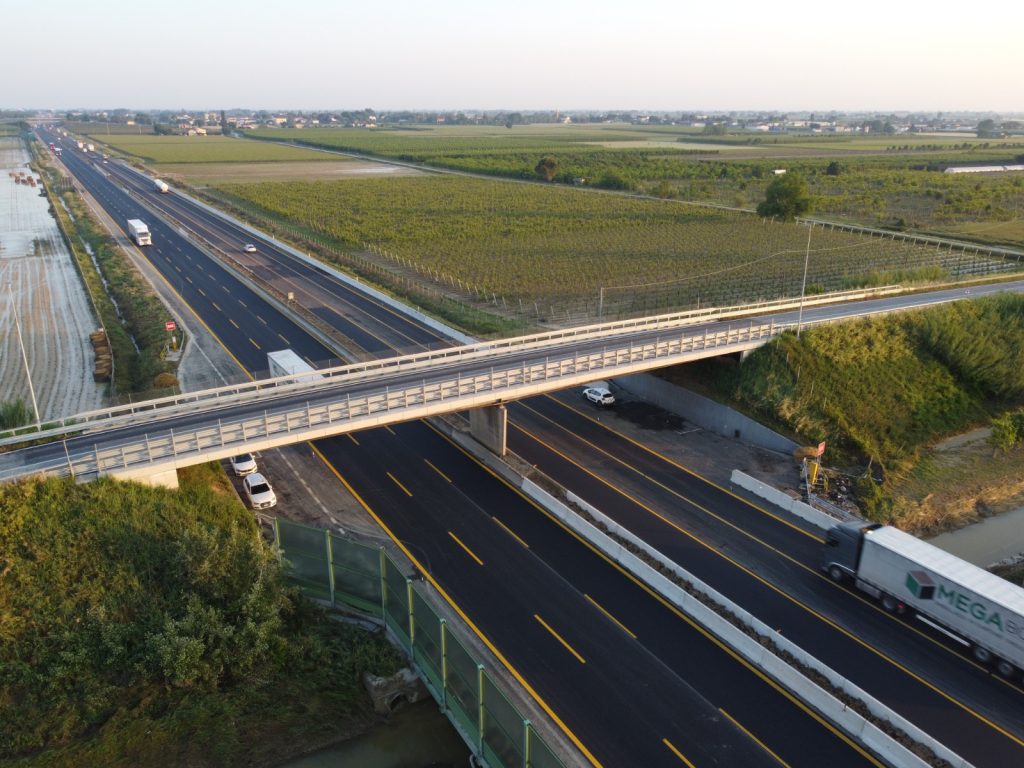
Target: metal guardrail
(164, 448)
(363, 371)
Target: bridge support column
(745, 354)
(165, 479)
(489, 426)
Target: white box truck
(161, 186)
(974, 606)
(139, 232)
(285, 362)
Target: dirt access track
(39, 280)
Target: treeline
(142, 626)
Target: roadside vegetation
(129, 310)
(147, 627)
(880, 392)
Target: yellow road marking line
(233, 323)
(395, 481)
(254, 344)
(677, 753)
(677, 611)
(442, 474)
(839, 628)
(615, 621)
(461, 613)
(469, 551)
(559, 638)
(510, 532)
(756, 740)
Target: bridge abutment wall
(704, 412)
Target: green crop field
(204, 149)
(536, 245)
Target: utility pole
(803, 285)
(24, 357)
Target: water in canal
(987, 542)
(417, 736)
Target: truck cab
(843, 546)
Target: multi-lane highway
(458, 523)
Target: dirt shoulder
(958, 482)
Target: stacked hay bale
(104, 360)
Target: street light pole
(803, 285)
(24, 357)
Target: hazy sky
(515, 54)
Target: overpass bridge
(149, 441)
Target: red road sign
(169, 325)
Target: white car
(599, 396)
(243, 465)
(261, 495)
(249, 248)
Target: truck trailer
(139, 232)
(285, 362)
(975, 607)
(161, 186)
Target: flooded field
(39, 281)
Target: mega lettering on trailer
(982, 610)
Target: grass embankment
(881, 391)
(129, 309)
(147, 627)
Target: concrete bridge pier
(489, 426)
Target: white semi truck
(977, 608)
(161, 186)
(285, 362)
(139, 232)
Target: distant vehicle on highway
(600, 396)
(249, 248)
(258, 491)
(161, 186)
(243, 465)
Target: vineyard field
(539, 247)
(206, 149)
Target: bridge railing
(163, 446)
(354, 372)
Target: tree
(1004, 433)
(547, 167)
(987, 129)
(833, 168)
(787, 197)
